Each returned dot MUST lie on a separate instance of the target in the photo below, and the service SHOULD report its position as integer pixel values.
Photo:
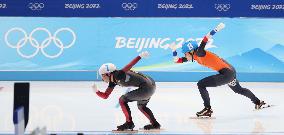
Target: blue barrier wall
(157, 76)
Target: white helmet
(107, 68)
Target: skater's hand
(175, 59)
(173, 46)
(95, 88)
(220, 26)
(144, 54)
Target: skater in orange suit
(226, 72)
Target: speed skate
(264, 107)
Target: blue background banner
(74, 48)
(142, 8)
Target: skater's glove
(95, 88)
(173, 46)
(219, 27)
(144, 54)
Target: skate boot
(206, 112)
(126, 126)
(156, 125)
(260, 105)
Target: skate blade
(151, 130)
(263, 107)
(202, 117)
(125, 131)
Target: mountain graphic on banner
(277, 51)
(256, 60)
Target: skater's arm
(201, 49)
(105, 94)
(131, 64)
(134, 61)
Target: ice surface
(71, 107)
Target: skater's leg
(123, 100)
(202, 84)
(224, 77)
(142, 106)
(237, 88)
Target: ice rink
(72, 107)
